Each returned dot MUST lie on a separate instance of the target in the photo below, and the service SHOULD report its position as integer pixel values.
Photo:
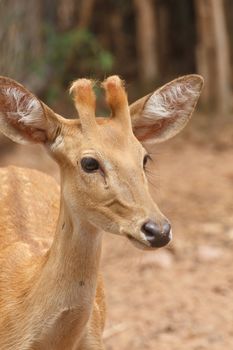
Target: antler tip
(113, 82)
(80, 85)
(83, 94)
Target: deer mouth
(139, 244)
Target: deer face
(104, 179)
(103, 160)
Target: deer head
(102, 160)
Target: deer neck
(65, 285)
(67, 281)
(73, 260)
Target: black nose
(158, 236)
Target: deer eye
(89, 164)
(145, 160)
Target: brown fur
(51, 293)
(24, 243)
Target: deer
(51, 290)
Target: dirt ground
(179, 297)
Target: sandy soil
(180, 297)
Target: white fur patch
(175, 100)
(58, 142)
(167, 110)
(25, 108)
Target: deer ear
(23, 117)
(164, 113)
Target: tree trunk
(85, 13)
(21, 40)
(146, 40)
(75, 13)
(213, 53)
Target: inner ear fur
(165, 112)
(23, 117)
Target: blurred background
(180, 297)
